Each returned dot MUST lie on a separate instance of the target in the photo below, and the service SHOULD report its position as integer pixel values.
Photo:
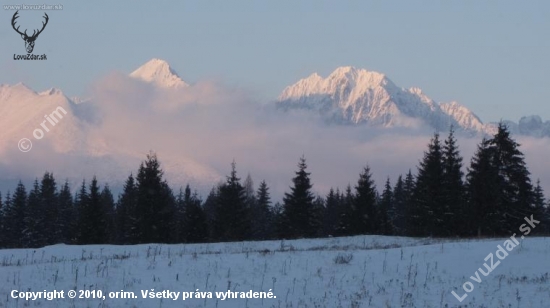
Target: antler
(43, 26)
(13, 24)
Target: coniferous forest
(435, 199)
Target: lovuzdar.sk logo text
(29, 39)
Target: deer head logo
(29, 40)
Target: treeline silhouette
(439, 200)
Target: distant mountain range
(356, 96)
(348, 96)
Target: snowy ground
(383, 272)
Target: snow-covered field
(382, 272)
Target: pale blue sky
(492, 56)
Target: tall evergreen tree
(386, 209)
(126, 215)
(49, 210)
(168, 214)
(500, 192)
(300, 220)
(14, 218)
(107, 204)
(93, 218)
(81, 205)
(232, 217)
(155, 205)
(194, 228)
(262, 222)
(279, 221)
(514, 182)
(409, 184)
(179, 215)
(210, 209)
(408, 190)
(484, 197)
(34, 236)
(428, 197)
(66, 222)
(365, 216)
(317, 215)
(453, 188)
(332, 213)
(346, 222)
(398, 210)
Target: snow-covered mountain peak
(343, 81)
(361, 78)
(354, 95)
(351, 95)
(349, 72)
(160, 73)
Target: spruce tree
(49, 210)
(82, 205)
(408, 190)
(399, 207)
(96, 215)
(300, 220)
(210, 209)
(262, 224)
(409, 184)
(194, 228)
(279, 221)
(346, 222)
(66, 222)
(14, 218)
(232, 217)
(453, 189)
(34, 236)
(155, 205)
(484, 194)
(168, 214)
(107, 204)
(427, 209)
(126, 215)
(332, 214)
(93, 218)
(385, 209)
(365, 216)
(179, 215)
(514, 182)
(317, 214)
